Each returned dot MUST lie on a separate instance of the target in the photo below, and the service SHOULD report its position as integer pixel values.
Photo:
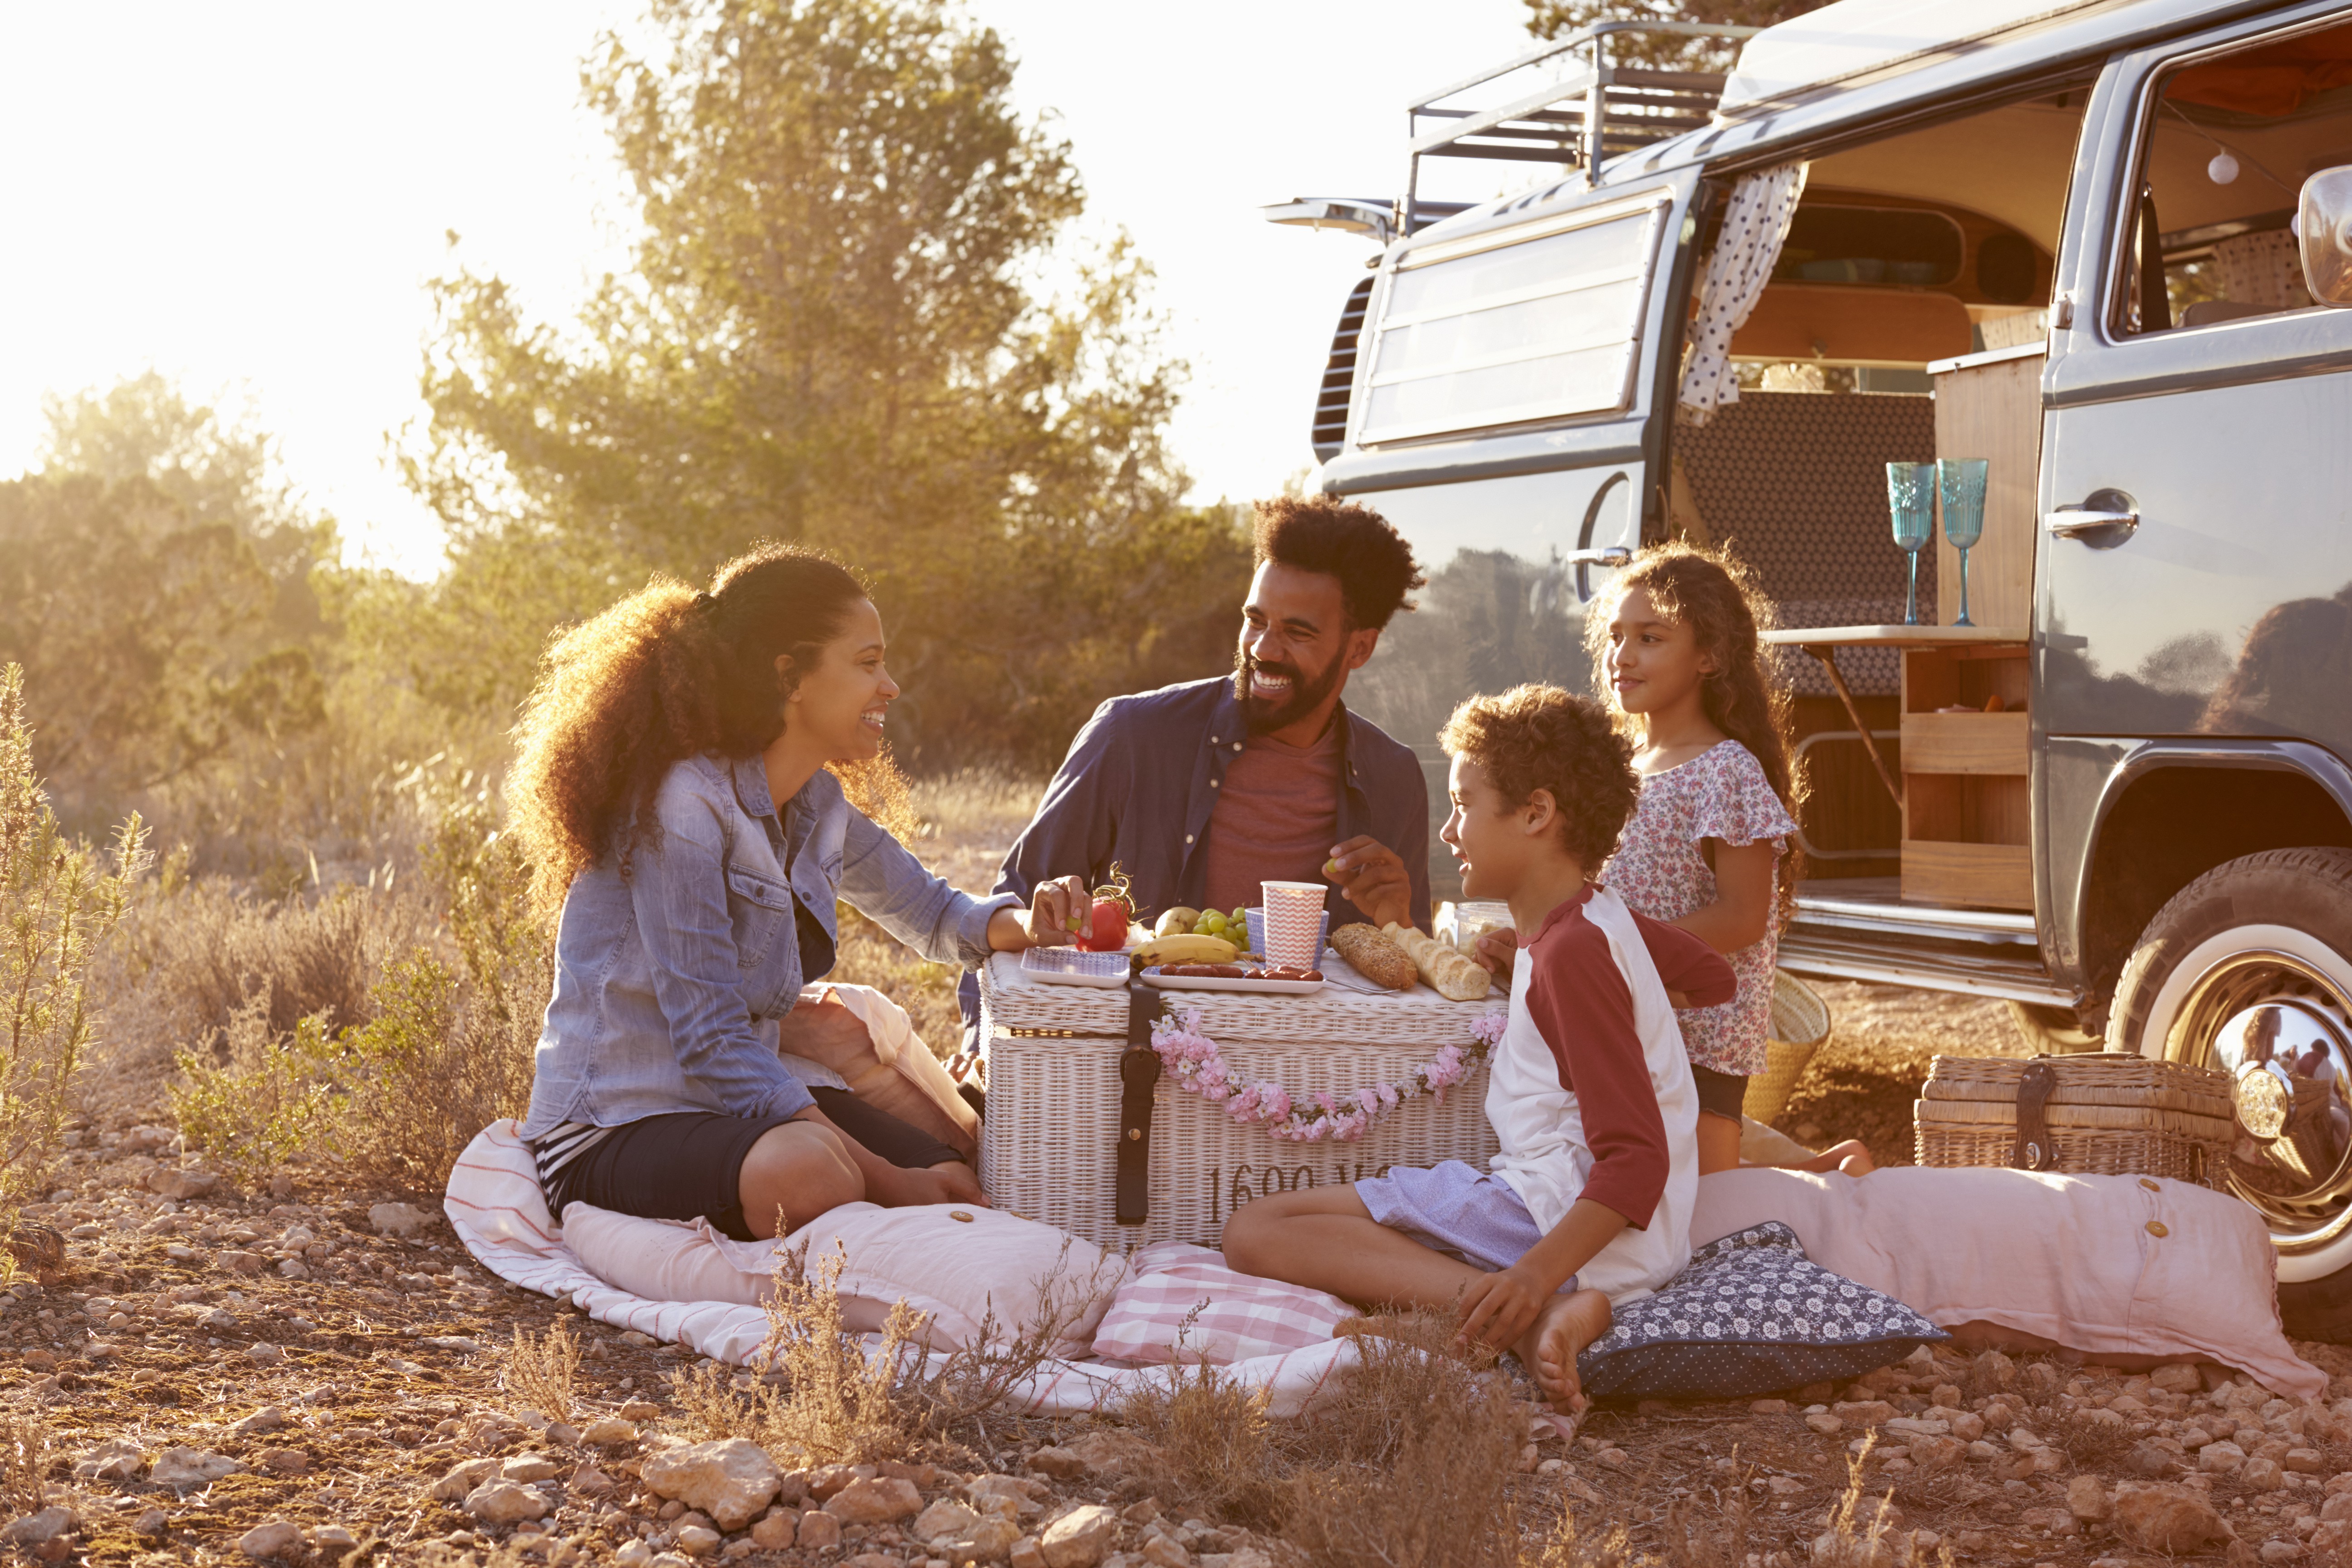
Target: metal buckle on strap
(1138, 1072)
(2035, 1150)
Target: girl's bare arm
(1742, 912)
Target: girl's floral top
(1659, 872)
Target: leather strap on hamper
(2036, 1150)
(1139, 1071)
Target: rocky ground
(221, 1377)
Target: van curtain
(1755, 227)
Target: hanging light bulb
(2223, 170)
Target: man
(1201, 791)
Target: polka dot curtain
(1754, 226)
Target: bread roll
(1374, 956)
(1456, 978)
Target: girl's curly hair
(1540, 737)
(1717, 597)
(666, 673)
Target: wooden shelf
(1990, 876)
(1967, 802)
(1964, 743)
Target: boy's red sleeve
(1688, 965)
(1578, 1002)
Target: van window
(1518, 328)
(2225, 147)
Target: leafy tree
(833, 334)
(1552, 18)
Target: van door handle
(2109, 516)
(1613, 555)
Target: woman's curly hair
(666, 673)
(1541, 738)
(1717, 597)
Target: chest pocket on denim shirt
(758, 907)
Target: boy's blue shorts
(1456, 1209)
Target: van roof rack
(1624, 107)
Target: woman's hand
(1046, 921)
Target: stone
(989, 1540)
(263, 1353)
(2167, 1519)
(2086, 1499)
(773, 1531)
(529, 1467)
(1059, 1463)
(462, 1478)
(2262, 1475)
(2278, 1552)
(113, 1460)
(242, 1262)
(181, 1186)
(1937, 1453)
(944, 1518)
(507, 1502)
(1080, 1538)
(269, 1418)
(286, 1461)
(2176, 1377)
(609, 1433)
(877, 1501)
(1110, 1452)
(819, 1531)
(1863, 1412)
(271, 1538)
(154, 1522)
(1822, 1421)
(697, 1540)
(2303, 1461)
(2338, 1507)
(398, 1219)
(1026, 1554)
(1166, 1551)
(824, 1481)
(589, 1481)
(997, 1494)
(184, 1469)
(40, 1529)
(2220, 1458)
(734, 1480)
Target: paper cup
(1256, 918)
(1294, 922)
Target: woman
(678, 796)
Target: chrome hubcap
(2284, 1033)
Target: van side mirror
(2323, 228)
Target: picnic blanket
(495, 1205)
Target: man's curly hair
(1339, 539)
(1540, 737)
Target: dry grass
(25, 1450)
(543, 1371)
(1213, 1441)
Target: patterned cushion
(1750, 1315)
(1183, 1304)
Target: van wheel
(2053, 1031)
(2249, 969)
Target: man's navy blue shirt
(1143, 775)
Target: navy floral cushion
(1750, 1315)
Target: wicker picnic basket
(1049, 1145)
(1799, 1026)
(2099, 1113)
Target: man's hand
(1497, 1308)
(823, 1031)
(1374, 878)
(1046, 921)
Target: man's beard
(1263, 716)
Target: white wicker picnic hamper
(1048, 1148)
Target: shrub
(266, 1103)
(59, 899)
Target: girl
(1676, 652)
(677, 796)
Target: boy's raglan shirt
(1579, 1000)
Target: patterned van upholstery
(1794, 483)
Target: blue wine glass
(1911, 498)
(1962, 482)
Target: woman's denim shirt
(669, 982)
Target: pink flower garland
(1194, 1060)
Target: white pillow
(952, 1263)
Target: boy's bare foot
(1549, 1348)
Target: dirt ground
(335, 1359)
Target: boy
(1590, 1090)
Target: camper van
(2099, 245)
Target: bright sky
(250, 197)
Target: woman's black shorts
(1721, 1092)
(690, 1164)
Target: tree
(833, 334)
(1554, 19)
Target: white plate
(1074, 966)
(1152, 976)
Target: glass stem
(1964, 620)
(1911, 600)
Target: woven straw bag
(1799, 1027)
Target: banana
(1184, 949)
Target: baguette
(1455, 977)
(1374, 956)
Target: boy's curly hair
(1540, 737)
